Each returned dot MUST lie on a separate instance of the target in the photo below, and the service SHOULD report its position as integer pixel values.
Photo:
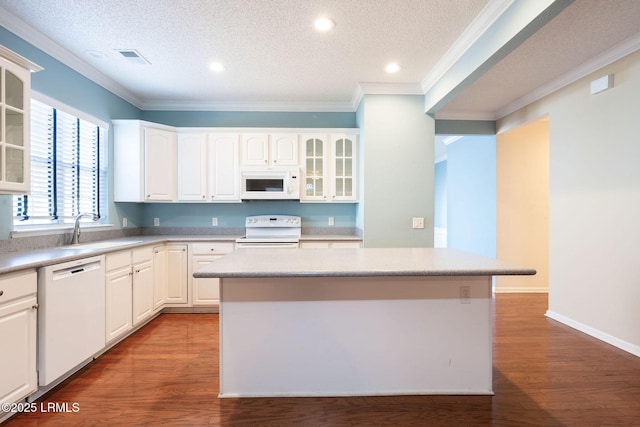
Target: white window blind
(68, 168)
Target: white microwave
(280, 184)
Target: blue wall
(471, 195)
(440, 192)
(251, 119)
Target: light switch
(418, 222)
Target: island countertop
(359, 262)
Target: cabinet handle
(212, 249)
(265, 161)
(203, 196)
(1, 292)
(35, 306)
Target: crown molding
(485, 19)
(19, 60)
(592, 65)
(368, 88)
(26, 32)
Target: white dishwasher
(71, 316)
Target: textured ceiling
(581, 32)
(269, 47)
(275, 59)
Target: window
(68, 168)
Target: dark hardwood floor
(167, 374)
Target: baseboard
(602, 336)
(520, 290)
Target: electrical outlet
(332, 221)
(124, 222)
(156, 222)
(465, 295)
(214, 222)
(418, 222)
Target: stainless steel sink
(100, 245)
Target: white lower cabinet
(159, 277)
(119, 296)
(18, 319)
(177, 280)
(206, 292)
(129, 290)
(326, 244)
(142, 269)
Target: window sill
(46, 230)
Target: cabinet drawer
(118, 260)
(17, 285)
(143, 254)
(218, 248)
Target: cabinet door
(118, 303)
(224, 177)
(160, 164)
(315, 168)
(15, 175)
(177, 283)
(142, 292)
(205, 291)
(284, 149)
(192, 167)
(255, 148)
(18, 376)
(343, 154)
(159, 277)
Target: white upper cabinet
(343, 157)
(284, 149)
(255, 149)
(265, 149)
(160, 165)
(15, 96)
(329, 167)
(208, 167)
(224, 175)
(145, 157)
(315, 168)
(192, 167)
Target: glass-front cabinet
(343, 155)
(15, 95)
(329, 168)
(315, 167)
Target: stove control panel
(273, 221)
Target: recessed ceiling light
(97, 55)
(392, 68)
(324, 24)
(216, 67)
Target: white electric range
(271, 231)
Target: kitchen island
(342, 322)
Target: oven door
(248, 244)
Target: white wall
(594, 203)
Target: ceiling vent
(133, 56)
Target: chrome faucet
(76, 227)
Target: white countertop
(357, 262)
(14, 261)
